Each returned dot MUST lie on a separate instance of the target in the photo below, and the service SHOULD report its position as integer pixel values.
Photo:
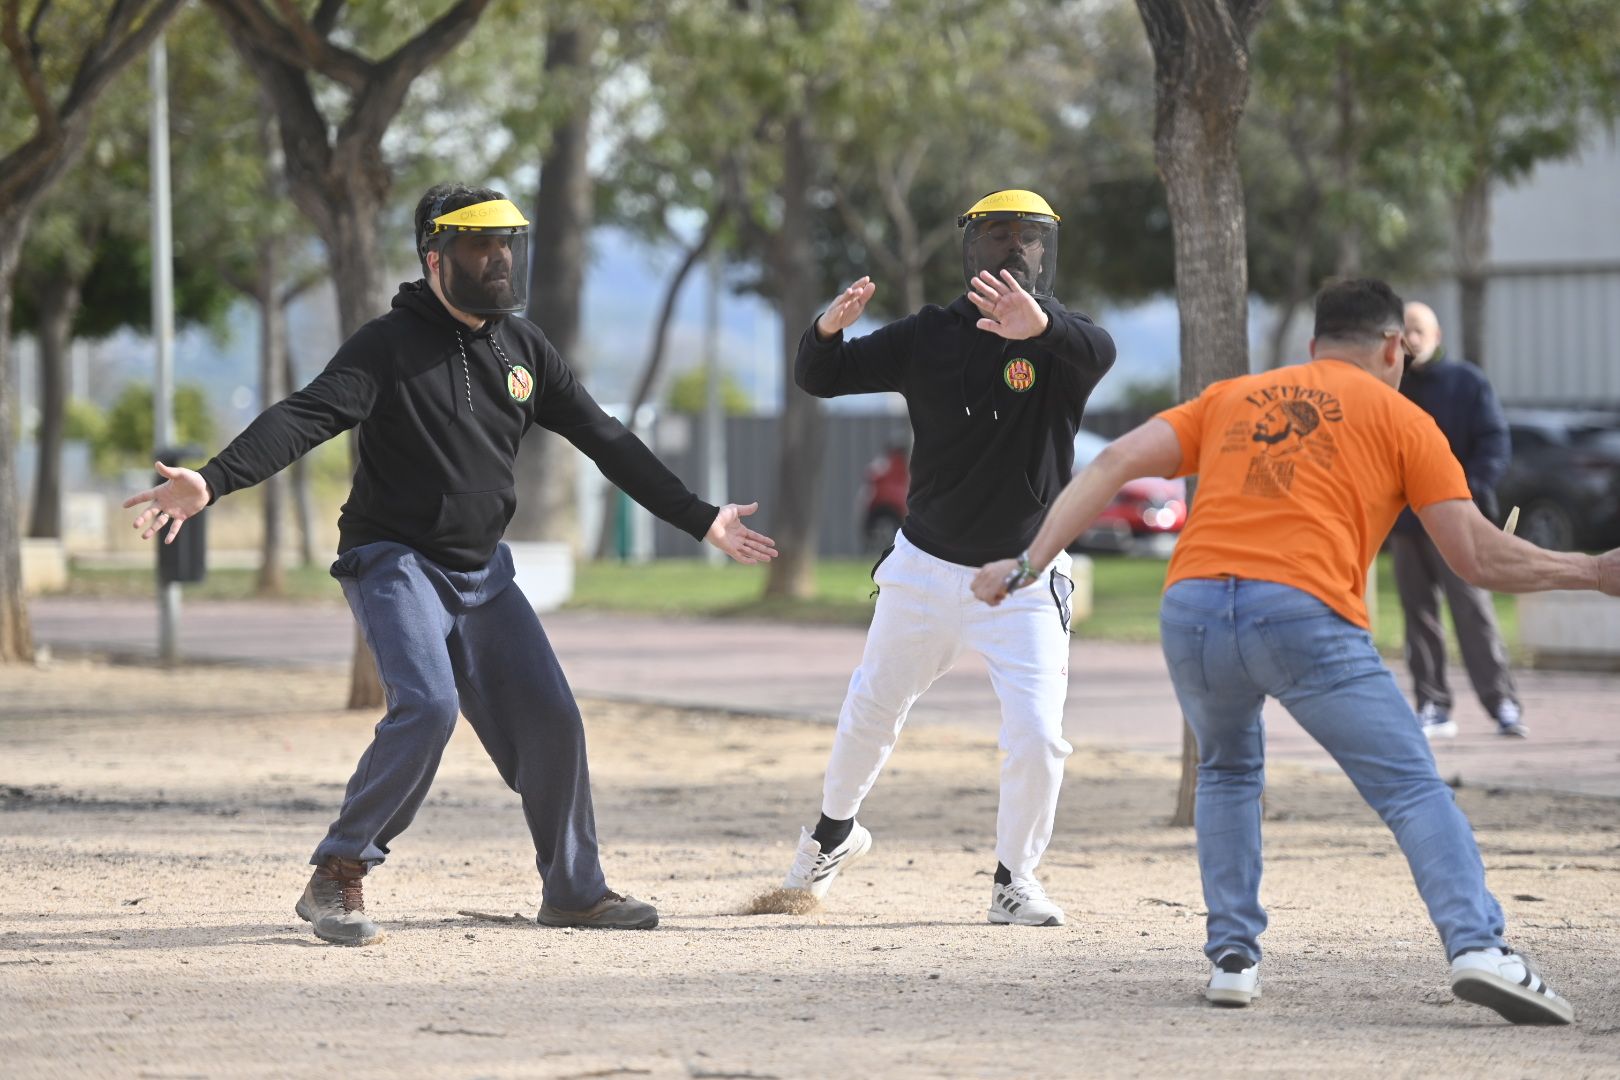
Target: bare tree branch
(301, 285)
(886, 258)
(28, 169)
(33, 26)
(26, 61)
(335, 62)
(298, 45)
(326, 17)
(105, 59)
(379, 102)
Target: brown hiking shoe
(612, 912)
(334, 904)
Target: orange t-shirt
(1301, 473)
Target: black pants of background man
(1421, 575)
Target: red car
(1144, 518)
(883, 497)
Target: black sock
(1003, 875)
(830, 832)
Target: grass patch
(1125, 593)
(136, 582)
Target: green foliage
(94, 229)
(1368, 116)
(1149, 396)
(126, 439)
(689, 390)
(84, 422)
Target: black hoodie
(993, 420)
(441, 409)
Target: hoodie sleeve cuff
(214, 477)
(696, 520)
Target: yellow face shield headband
(495, 214)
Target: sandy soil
(154, 829)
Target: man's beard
(1016, 265)
(491, 293)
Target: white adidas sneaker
(1025, 903)
(1234, 981)
(814, 871)
(1502, 980)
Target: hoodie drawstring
(995, 389)
(466, 371)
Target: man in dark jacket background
(442, 389)
(1464, 406)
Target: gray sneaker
(335, 906)
(612, 912)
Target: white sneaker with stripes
(1502, 980)
(814, 870)
(1025, 903)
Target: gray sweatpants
(1421, 575)
(444, 642)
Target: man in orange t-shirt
(1302, 471)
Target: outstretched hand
(847, 308)
(731, 536)
(183, 495)
(990, 583)
(1008, 310)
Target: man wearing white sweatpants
(995, 385)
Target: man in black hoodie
(995, 385)
(442, 389)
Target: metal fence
(853, 442)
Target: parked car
(1144, 518)
(1564, 477)
(883, 497)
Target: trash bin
(185, 560)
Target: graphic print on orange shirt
(1291, 420)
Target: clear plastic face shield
(483, 265)
(1025, 247)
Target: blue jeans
(1229, 644)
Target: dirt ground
(154, 829)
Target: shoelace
(350, 890)
(353, 897)
(805, 863)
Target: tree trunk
(1286, 310)
(547, 465)
(1201, 70)
(58, 305)
(267, 294)
(16, 640)
(352, 246)
(804, 422)
(303, 504)
(1473, 213)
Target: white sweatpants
(926, 615)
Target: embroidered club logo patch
(1019, 375)
(519, 383)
